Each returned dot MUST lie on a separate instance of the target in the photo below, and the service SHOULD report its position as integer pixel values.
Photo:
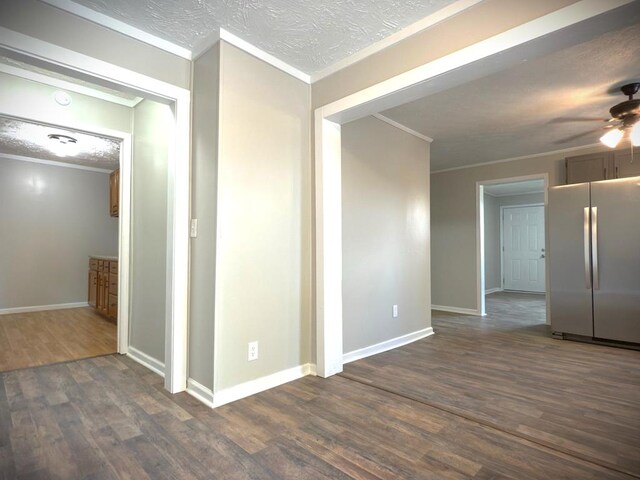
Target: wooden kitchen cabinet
(103, 286)
(114, 193)
(603, 166)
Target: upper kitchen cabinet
(603, 166)
(589, 168)
(114, 193)
(625, 164)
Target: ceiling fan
(627, 116)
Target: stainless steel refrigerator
(594, 259)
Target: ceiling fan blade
(579, 135)
(578, 119)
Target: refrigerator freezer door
(569, 260)
(616, 300)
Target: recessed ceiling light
(62, 98)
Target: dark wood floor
(504, 370)
(109, 417)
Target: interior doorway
(511, 239)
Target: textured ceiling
(307, 34)
(515, 188)
(525, 110)
(31, 140)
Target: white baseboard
(386, 345)
(493, 290)
(258, 385)
(200, 392)
(464, 311)
(148, 361)
(42, 308)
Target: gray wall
(263, 275)
(492, 265)
(385, 233)
(453, 222)
(204, 184)
(152, 125)
(45, 22)
(51, 219)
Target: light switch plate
(395, 311)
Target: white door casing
(523, 248)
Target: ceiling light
(612, 137)
(635, 134)
(62, 145)
(62, 98)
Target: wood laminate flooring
(41, 338)
(505, 371)
(109, 417)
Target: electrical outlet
(194, 227)
(253, 351)
(395, 311)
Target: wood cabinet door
(625, 164)
(589, 168)
(114, 193)
(112, 307)
(93, 288)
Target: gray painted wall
(51, 219)
(263, 275)
(45, 22)
(453, 222)
(152, 125)
(385, 233)
(492, 265)
(204, 184)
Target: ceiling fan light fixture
(612, 137)
(634, 135)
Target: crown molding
(416, 27)
(70, 86)
(402, 127)
(524, 157)
(120, 27)
(53, 163)
(264, 56)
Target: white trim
(204, 45)
(252, 387)
(20, 158)
(402, 127)
(463, 311)
(120, 27)
(493, 290)
(179, 173)
(562, 27)
(397, 37)
(42, 308)
(386, 345)
(66, 85)
(200, 392)
(524, 157)
(153, 364)
(262, 55)
(501, 195)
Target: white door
(523, 261)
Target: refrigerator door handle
(587, 259)
(594, 247)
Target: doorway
(511, 241)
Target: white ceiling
(523, 111)
(30, 140)
(307, 34)
(515, 188)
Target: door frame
(502, 209)
(480, 263)
(124, 217)
(56, 58)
